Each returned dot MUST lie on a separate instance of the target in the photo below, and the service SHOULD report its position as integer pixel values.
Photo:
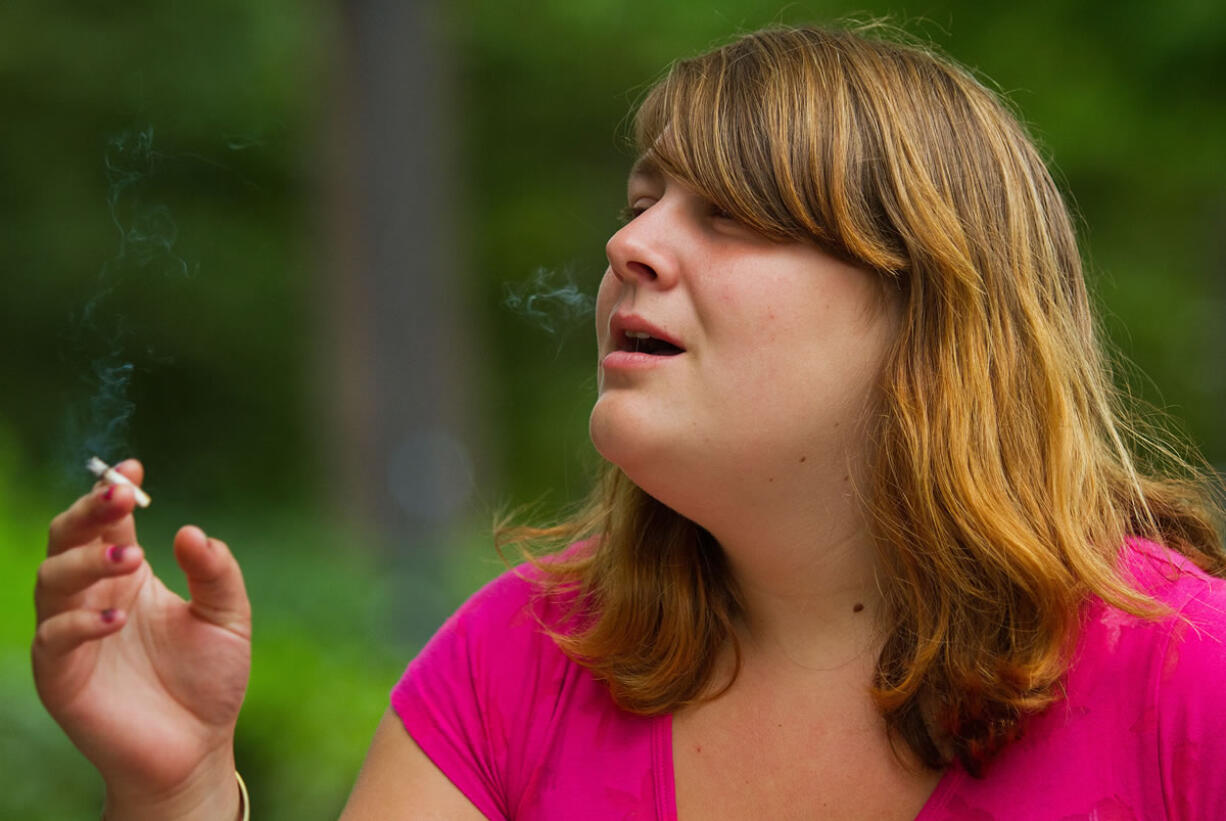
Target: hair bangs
(720, 123)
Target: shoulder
(1196, 600)
(1188, 676)
(1156, 679)
(1188, 636)
(505, 602)
(1193, 634)
(504, 629)
(1141, 726)
(482, 694)
(523, 604)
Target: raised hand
(148, 686)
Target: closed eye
(629, 212)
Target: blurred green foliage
(1126, 98)
(212, 312)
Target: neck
(805, 566)
(818, 611)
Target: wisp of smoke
(147, 233)
(551, 307)
(110, 410)
(99, 424)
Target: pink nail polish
(115, 553)
(108, 615)
(110, 491)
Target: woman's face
(725, 356)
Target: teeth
(638, 335)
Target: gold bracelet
(244, 799)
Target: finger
(214, 580)
(65, 632)
(133, 469)
(101, 514)
(67, 574)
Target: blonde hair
(1004, 476)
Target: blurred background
(326, 268)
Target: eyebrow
(646, 166)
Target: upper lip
(620, 323)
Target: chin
(645, 453)
(608, 430)
(628, 439)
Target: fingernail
(115, 553)
(110, 491)
(108, 615)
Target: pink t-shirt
(525, 733)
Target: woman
(871, 542)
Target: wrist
(210, 794)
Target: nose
(643, 252)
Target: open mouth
(645, 343)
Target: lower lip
(631, 361)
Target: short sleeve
(459, 698)
(1191, 704)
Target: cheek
(606, 299)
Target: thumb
(214, 580)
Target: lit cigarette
(108, 474)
